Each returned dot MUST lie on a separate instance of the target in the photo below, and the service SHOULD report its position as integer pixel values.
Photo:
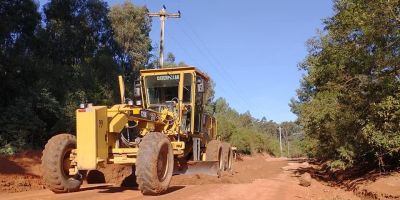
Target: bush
(8, 149)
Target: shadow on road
(174, 189)
(128, 183)
(95, 187)
(347, 179)
(115, 189)
(10, 167)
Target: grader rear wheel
(56, 163)
(214, 153)
(228, 156)
(155, 163)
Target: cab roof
(176, 69)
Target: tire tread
(51, 161)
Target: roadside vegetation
(349, 100)
(251, 135)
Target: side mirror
(200, 85)
(137, 92)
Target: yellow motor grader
(163, 130)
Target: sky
(250, 48)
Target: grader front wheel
(155, 163)
(56, 163)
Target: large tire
(228, 156)
(55, 164)
(214, 153)
(155, 164)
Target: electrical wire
(211, 62)
(189, 55)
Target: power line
(198, 65)
(210, 53)
(192, 58)
(184, 50)
(215, 62)
(210, 62)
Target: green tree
(80, 49)
(48, 67)
(170, 62)
(247, 133)
(131, 27)
(170, 58)
(348, 96)
(18, 22)
(19, 124)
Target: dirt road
(253, 178)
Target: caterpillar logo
(168, 77)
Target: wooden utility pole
(288, 144)
(280, 139)
(163, 15)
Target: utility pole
(163, 15)
(280, 139)
(287, 142)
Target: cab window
(187, 88)
(162, 88)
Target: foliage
(170, 61)
(251, 135)
(49, 66)
(19, 21)
(131, 27)
(348, 99)
(8, 149)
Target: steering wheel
(175, 99)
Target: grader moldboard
(163, 131)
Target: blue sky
(250, 48)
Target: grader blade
(200, 167)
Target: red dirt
(245, 171)
(20, 172)
(365, 181)
(258, 177)
(381, 187)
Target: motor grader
(163, 130)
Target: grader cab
(163, 130)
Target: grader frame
(164, 128)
